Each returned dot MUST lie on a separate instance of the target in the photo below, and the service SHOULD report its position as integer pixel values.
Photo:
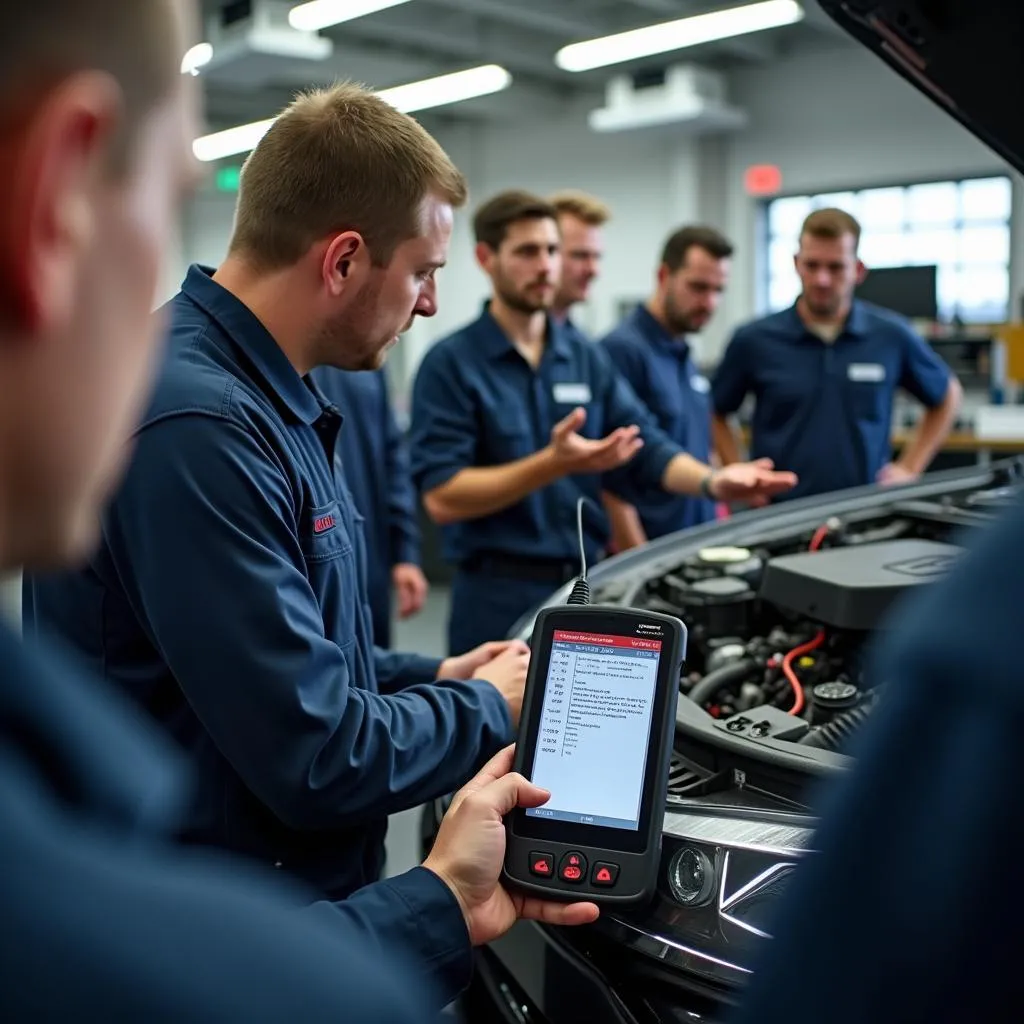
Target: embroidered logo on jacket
(323, 524)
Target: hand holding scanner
(596, 731)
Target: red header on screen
(632, 642)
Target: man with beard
(229, 595)
(824, 375)
(650, 349)
(514, 419)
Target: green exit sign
(227, 179)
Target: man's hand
(503, 664)
(575, 453)
(410, 588)
(753, 482)
(470, 849)
(893, 473)
(465, 666)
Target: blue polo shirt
(661, 371)
(228, 598)
(477, 402)
(375, 461)
(823, 410)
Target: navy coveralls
(228, 598)
(375, 461)
(911, 909)
(660, 370)
(477, 402)
(823, 410)
(104, 920)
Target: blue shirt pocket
(508, 433)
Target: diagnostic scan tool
(596, 731)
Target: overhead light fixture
(194, 59)
(431, 92)
(445, 89)
(231, 141)
(679, 34)
(318, 14)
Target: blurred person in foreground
(102, 918)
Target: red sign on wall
(762, 180)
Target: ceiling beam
(515, 12)
(468, 45)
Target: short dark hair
(492, 220)
(680, 242)
(831, 223)
(134, 41)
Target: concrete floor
(423, 634)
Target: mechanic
(514, 418)
(581, 220)
(375, 463)
(824, 374)
(650, 349)
(228, 597)
(103, 919)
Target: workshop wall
(837, 119)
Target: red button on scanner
(573, 867)
(605, 875)
(542, 864)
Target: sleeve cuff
(419, 669)
(655, 462)
(436, 476)
(440, 933)
(406, 552)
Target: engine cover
(853, 587)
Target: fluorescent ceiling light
(232, 141)
(319, 14)
(431, 92)
(454, 88)
(195, 58)
(677, 35)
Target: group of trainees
(199, 739)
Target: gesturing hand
(578, 454)
(754, 482)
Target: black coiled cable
(839, 730)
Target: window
(963, 227)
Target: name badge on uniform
(572, 394)
(866, 373)
(700, 384)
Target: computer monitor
(909, 291)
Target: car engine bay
(783, 607)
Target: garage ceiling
(423, 38)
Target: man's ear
(862, 272)
(53, 168)
(345, 258)
(484, 256)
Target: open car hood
(966, 55)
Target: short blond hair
(831, 223)
(339, 159)
(581, 205)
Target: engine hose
(734, 672)
(839, 730)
